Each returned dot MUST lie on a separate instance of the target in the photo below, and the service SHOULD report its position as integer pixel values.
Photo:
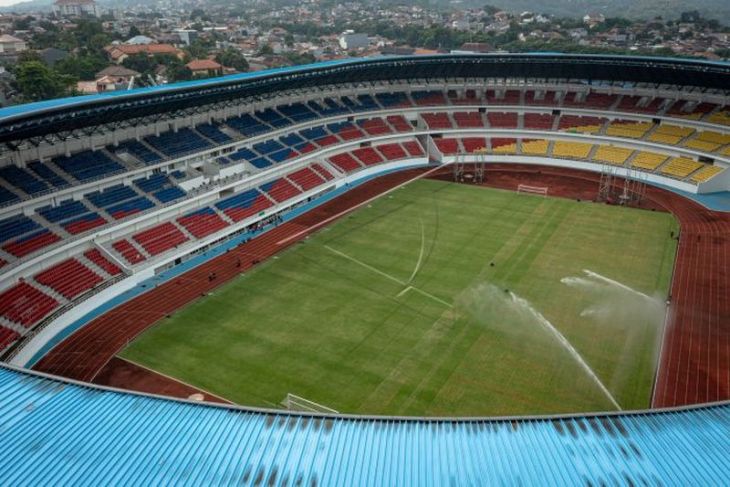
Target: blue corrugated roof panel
(76, 434)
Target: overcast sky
(5, 3)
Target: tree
(178, 72)
(266, 50)
(133, 32)
(233, 59)
(36, 81)
(82, 66)
(142, 63)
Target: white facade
(350, 40)
(75, 8)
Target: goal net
(296, 403)
(526, 188)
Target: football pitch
(439, 300)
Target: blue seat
(176, 144)
(65, 210)
(48, 174)
(15, 226)
(7, 197)
(139, 151)
(22, 179)
(111, 195)
(169, 194)
(88, 165)
(248, 125)
(213, 133)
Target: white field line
(429, 295)
(420, 254)
(352, 208)
(405, 290)
(363, 264)
(607, 280)
(388, 276)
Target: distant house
(119, 74)
(593, 19)
(351, 40)
(51, 55)
(112, 78)
(75, 8)
(119, 52)
(10, 45)
(205, 68)
(140, 40)
(186, 36)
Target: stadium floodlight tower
(634, 186)
(478, 159)
(605, 183)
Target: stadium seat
(502, 120)
(69, 278)
(128, 251)
(244, 205)
(535, 147)
(680, 167)
(571, 150)
(95, 256)
(160, 238)
(88, 165)
(306, 178)
(203, 222)
(647, 160)
(616, 156)
(345, 162)
(25, 304)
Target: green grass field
(397, 310)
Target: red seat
(69, 278)
(25, 304)
(127, 250)
(95, 256)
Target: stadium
(463, 269)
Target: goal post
(293, 402)
(526, 188)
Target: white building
(11, 45)
(75, 8)
(350, 40)
(187, 36)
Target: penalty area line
(355, 207)
(388, 276)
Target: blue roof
(53, 430)
(41, 106)
(85, 99)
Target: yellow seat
(648, 160)
(706, 173)
(506, 149)
(680, 167)
(714, 137)
(676, 130)
(722, 117)
(535, 147)
(701, 145)
(571, 150)
(633, 130)
(668, 139)
(612, 155)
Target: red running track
(82, 355)
(694, 366)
